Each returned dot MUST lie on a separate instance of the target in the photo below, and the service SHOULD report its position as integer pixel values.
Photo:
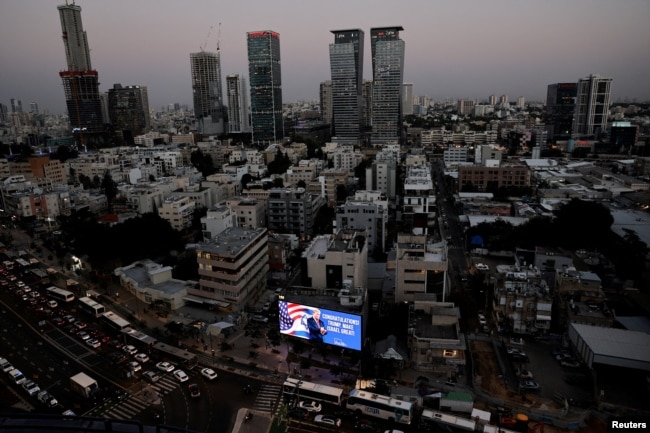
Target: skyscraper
(560, 108)
(387, 74)
(407, 98)
(325, 94)
(237, 93)
(16, 105)
(346, 65)
(265, 85)
(207, 92)
(128, 110)
(80, 81)
(592, 106)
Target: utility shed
(609, 346)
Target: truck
(83, 385)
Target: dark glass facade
(265, 86)
(387, 75)
(560, 107)
(346, 64)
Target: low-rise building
(178, 211)
(292, 210)
(250, 213)
(421, 268)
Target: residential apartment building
(435, 341)
(329, 260)
(365, 215)
(382, 176)
(489, 179)
(292, 210)
(328, 181)
(217, 220)
(249, 213)
(237, 93)
(178, 211)
(592, 106)
(232, 268)
(419, 203)
(421, 269)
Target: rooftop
(232, 240)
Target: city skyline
(456, 50)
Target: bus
(380, 406)
(177, 355)
(89, 306)
(312, 391)
(60, 294)
(116, 321)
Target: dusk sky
(454, 48)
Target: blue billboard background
(334, 327)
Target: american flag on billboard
(290, 315)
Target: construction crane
(206, 38)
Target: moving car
(181, 376)
(135, 366)
(93, 342)
(310, 406)
(517, 340)
(528, 384)
(570, 363)
(259, 319)
(208, 373)
(327, 420)
(298, 413)
(366, 426)
(165, 366)
(524, 374)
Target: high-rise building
(237, 92)
(592, 106)
(407, 98)
(492, 100)
(387, 74)
(16, 105)
(521, 102)
(265, 85)
(207, 92)
(465, 106)
(128, 110)
(346, 66)
(80, 80)
(366, 111)
(33, 107)
(325, 94)
(560, 107)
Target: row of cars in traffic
(29, 386)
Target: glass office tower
(387, 75)
(265, 85)
(346, 64)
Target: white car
(327, 420)
(310, 406)
(181, 375)
(135, 366)
(165, 366)
(141, 357)
(209, 373)
(131, 350)
(94, 343)
(517, 340)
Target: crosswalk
(134, 404)
(267, 398)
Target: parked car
(298, 413)
(83, 335)
(141, 357)
(181, 375)
(310, 406)
(209, 373)
(131, 350)
(525, 374)
(327, 420)
(194, 390)
(93, 342)
(517, 340)
(570, 363)
(366, 426)
(165, 366)
(528, 384)
(481, 319)
(259, 319)
(151, 376)
(135, 366)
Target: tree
(109, 187)
(580, 223)
(341, 193)
(301, 184)
(202, 162)
(278, 182)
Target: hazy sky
(454, 48)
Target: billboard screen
(320, 325)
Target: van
(52, 303)
(17, 376)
